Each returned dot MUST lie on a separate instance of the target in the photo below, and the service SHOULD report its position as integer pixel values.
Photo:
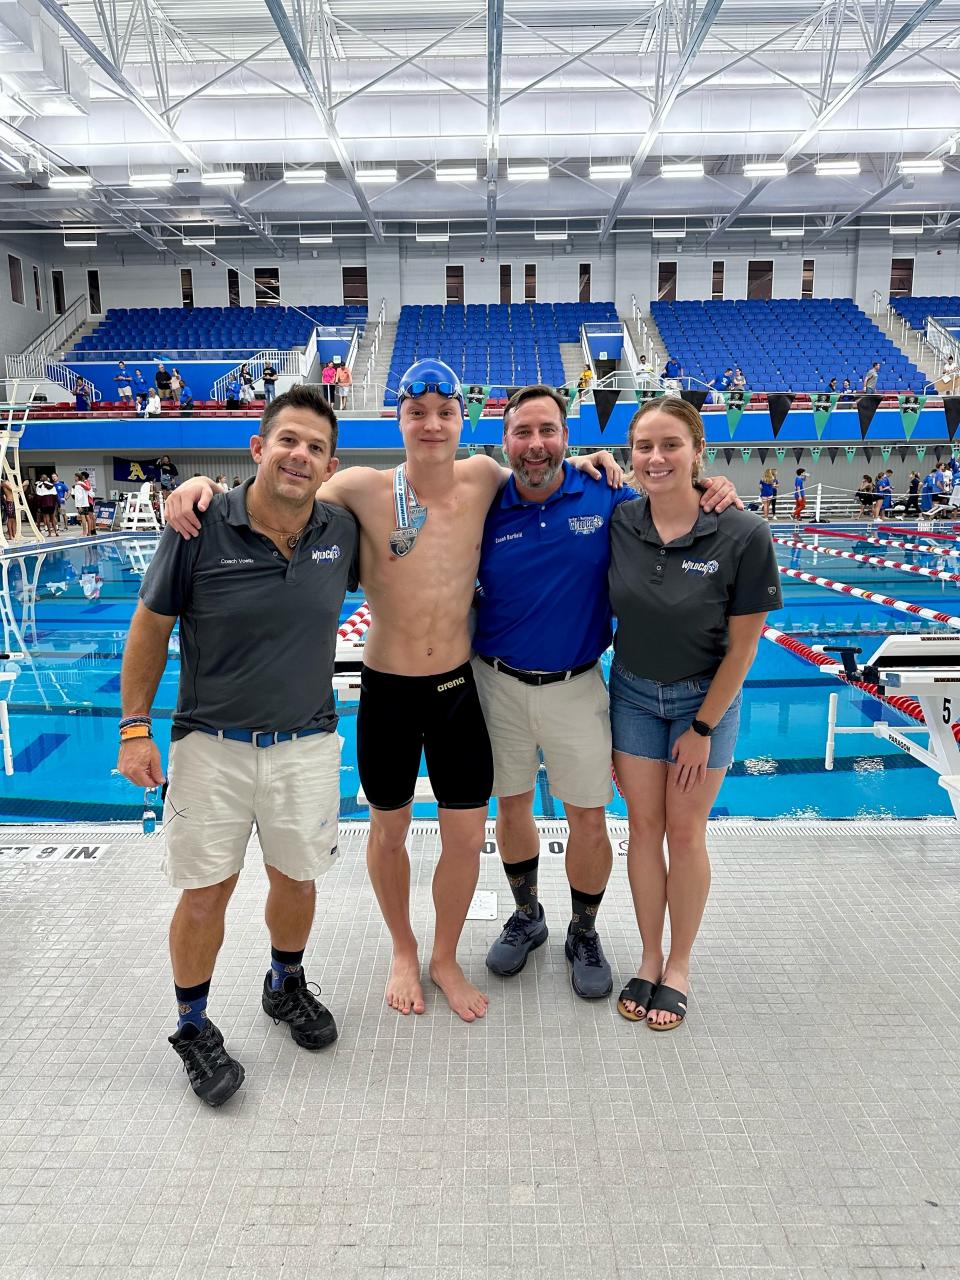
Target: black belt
(535, 677)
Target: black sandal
(667, 1000)
(639, 991)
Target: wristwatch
(701, 727)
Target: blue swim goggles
(449, 389)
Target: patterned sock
(585, 908)
(522, 878)
(284, 964)
(192, 1005)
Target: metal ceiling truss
(323, 112)
(581, 57)
(494, 80)
(666, 95)
(850, 89)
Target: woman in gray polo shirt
(690, 590)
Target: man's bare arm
(144, 660)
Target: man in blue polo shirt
(543, 620)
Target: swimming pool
(69, 607)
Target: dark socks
(522, 878)
(284, 964)
(585, 908)
(192, 1005)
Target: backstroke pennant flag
(570, 393)
(736, 402)
(885, 452)
(745, 454)
(695, 397)
(951, 409)
(910, 406)
(824, 403)
(712, 456)
(728, 454)
(604, 399)
(816, 451)
(477, 398)
(779, 405)
(781, 454)
(867, 407)
(832, 452)
(851, 451)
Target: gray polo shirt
(672, 602)
(258, 633)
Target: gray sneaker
(591, 977)
(520, 936)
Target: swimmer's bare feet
(467, 1001)
(404, 992)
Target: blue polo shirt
(543, 603)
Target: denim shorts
(648, 717)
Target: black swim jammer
(441, 715)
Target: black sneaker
(521, 935)
(590, 976)
(311, 1023)
(214, 1076)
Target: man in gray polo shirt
(258, 595)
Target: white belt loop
(219, 735)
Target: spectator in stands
(248, 392)
(947, 382)
(83, 501)
(768, 490)
(870, 378)
(81, 395)
(9, 509)
(832, 388)
(913, 494)
(47, 505)
(328, 379)
(122, 379)
(62, 491)
(140, 389)
(799, 493)
(846, 392)
(269, 382)
(233, 392)
(186, 401)
(169, 475)
(866, 496)
(721, 384)
(176, 383)
(164, 381)
(344, 383)
(586, 377)
(672, 373)
(154, 406)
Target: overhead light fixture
(433, 232)
(921, 166)
(222, 178)
(378, 174)
(905, 230)
(528, 171)
(202, 235)
(79, 240)
(314, 174)
(611, 169)
(692, 170)
(69, 181)
(321, 234)
(547, 232)
(766, 169)
(150, 180)
(837, 168)
(674, 229)
(787, 233)
(457, 173)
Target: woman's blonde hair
(674, 407)
(769, 475)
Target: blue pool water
(69, 608)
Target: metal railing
(53, 338)
(374, 347)
(39, 368)
(162, 355)
(285, 363)
(643, 329)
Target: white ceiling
(154, 86)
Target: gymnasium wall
(19, 325)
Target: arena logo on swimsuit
(702, 567)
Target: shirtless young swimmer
(420, 532)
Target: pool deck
(804, 1122)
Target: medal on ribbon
(410, 515)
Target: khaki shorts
(568, 721)
(219, 789)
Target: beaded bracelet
(128, 720)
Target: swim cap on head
(429, 375)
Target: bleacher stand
(917, 310)
(234, 329)
(500, 345)
(787, 344)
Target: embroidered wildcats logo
(585, 524)
(703, 567)
(325, 553)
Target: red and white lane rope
(882, 563)
(902, 606)
(907, 706)
(356, 626)
(921, 533)
(882, 542)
